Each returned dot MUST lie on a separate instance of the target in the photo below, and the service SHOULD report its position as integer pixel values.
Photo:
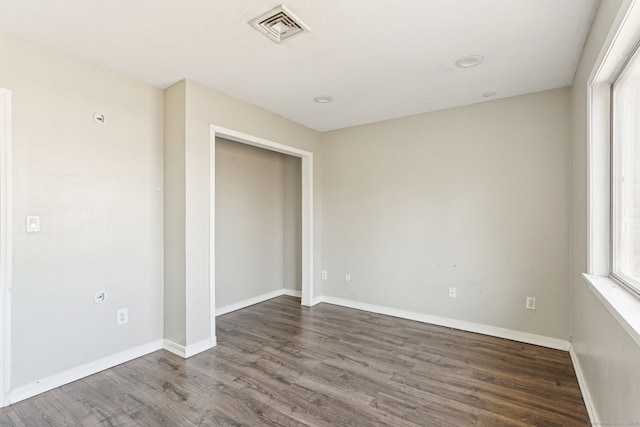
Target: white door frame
(5, 247)
(307, 209)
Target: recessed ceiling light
(469, 61)
(323, 99)
(489, 94)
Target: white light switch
(33, 224)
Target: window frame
(618, 299)
(634, 287)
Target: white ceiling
(379, 59)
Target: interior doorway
(258, 236)
(306, 184)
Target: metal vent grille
(278, 24)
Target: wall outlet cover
(122, 316)
(531, 303)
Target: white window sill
(624, 306)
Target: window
(613, 105)
(625, 175)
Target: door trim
(5, 247)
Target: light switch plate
(33, 223)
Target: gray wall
(293, 223)
(98, 189)
(254, 202)
(174, 214)
(609, 357)
(474, 197)
(201, 108)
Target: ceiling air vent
(278, 24)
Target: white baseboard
(75, 374)
(175, 348)
(79, 372)
(494, 331)
(190, 350)
(255, 300)
(582, 382)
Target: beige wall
(609, 358)
(474, 197)
(253, 200)
(98, 189)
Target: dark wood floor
(278, 363)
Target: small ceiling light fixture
(323, 99)
(469, 61)
(489, 94)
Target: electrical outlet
(347, 277)
(531, 303)
(122, 316)
(324, 274)
(452, 292)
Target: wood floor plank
(423, 412)
(280, 364)
(181, 399)
(8, 418)
(87, 407)
(44, 410)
